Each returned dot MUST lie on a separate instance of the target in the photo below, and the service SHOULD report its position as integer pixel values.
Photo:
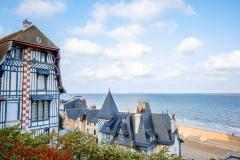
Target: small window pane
(40, 110)
(13, 81)
(41, 82)
(12, 111)
(43, 57)
(34, 111)
(46, 109)
(18, 54)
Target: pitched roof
(4, 48)
(109, 107)
(140, 127)
(111, 126)
(162, 128)
(75, 113)
(91, 115)
(32, 35)
(75, 103)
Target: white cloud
(91, 28)
(221, 67)
(189, 45)
(140, 10)
(127, 32)
(223, 62)
(168, 70)
(107, 73)
(40, 8)
(135, 11)
(77, 47)
(74, 47)
(132, 70)
(170, 26)
(127, 50)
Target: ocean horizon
(212, 111)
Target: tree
(73, 145)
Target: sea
(216, 112)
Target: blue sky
(174, 46)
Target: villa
(142, 130)
(30, 80)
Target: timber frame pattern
(20, 69)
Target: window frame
(7, 111)
(43, 57)
(20, 54)
(38, 119)
(45, 82)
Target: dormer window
(152, 138)
(39, 40)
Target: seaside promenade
(203, 144)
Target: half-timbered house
(30, 80)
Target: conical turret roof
(109, 107)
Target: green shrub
(76, 145)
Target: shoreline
(214, 129)
(206, 144)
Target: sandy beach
(203, 144)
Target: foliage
(77, 145)
(163, 155)
(16, 145)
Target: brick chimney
(84, 101)
(93, 106)
(26, 24)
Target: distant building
(30, 80)
(142, 130)
(76, 114)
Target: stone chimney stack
(26, 24)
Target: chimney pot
(26, 24)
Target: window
(42, 57)
(12, 111)
(152, 138)
(46, 110)
(42, 82)
(34, 111)
(46, 130)
(18, 54)
(108, 137)
(120, 135)
(40, 110)
(38, 39)
(1, 75)
(13, 81)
